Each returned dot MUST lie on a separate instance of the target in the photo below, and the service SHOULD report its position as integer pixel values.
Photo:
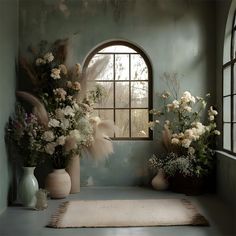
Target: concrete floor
(18, 221)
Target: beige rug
(126, 213)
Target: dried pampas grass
(38, 108)
(102, 145)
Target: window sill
(225, 154)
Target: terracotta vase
(58, 184)
(159, 182)
(73, 170)
(28, 187)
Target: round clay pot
(159, 182)
(58, 184)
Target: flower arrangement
(187, 139)
(61, 123)
(25, 130)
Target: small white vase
(73, 170)
(58, 184)
(159, 182)
(28, 187)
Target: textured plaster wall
(8, 49)
(178, 36)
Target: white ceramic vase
(28, 187)
(58, 184)
(159, 182)
(73, 170)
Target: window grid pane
(227, 109)
(227, 81)
(126, 81)
(227, 137)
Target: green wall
(178, 36)
(8, 49)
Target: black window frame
(232, 95)
(149, 80)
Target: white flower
(61, 93)
(75, 106)
(50, 148)
(191, 150)
(212, 112)
(187, 108)
(59, 113)
(211, 118)
(70, 143)
(216, 132)
(55, 73)
(53, 123)
(76, 86)
(65, 124)
(167, 122)
(165, 95)
(48, 57)
(77, 68)
(187, 97)
(63, 69)
(75, 134)
(157, 121)
(175, 104)
(48, 136)
(175, 141)
(61, 140)
(40, 61)
(189, 133)
(69, 111)
(69, 84)
(204, 103)
(186, 143)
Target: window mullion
(129, 95)
(114, 90)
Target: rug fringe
(197, 219)
(55, 221)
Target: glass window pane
(234, 111)
(139, 94)
(227, 109)
(107, 100)
(139, 123)
(227, 81)
(118, 48)
(234, 36)
(234, 138)
(100, 68)
(122, 94)
(104, 114)
(139, 70)
(227, 137)
(122, 122)
(122, 67)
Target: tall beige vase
(73, 170)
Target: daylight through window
(124, 73)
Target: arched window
(229, 92)
(125, 74)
